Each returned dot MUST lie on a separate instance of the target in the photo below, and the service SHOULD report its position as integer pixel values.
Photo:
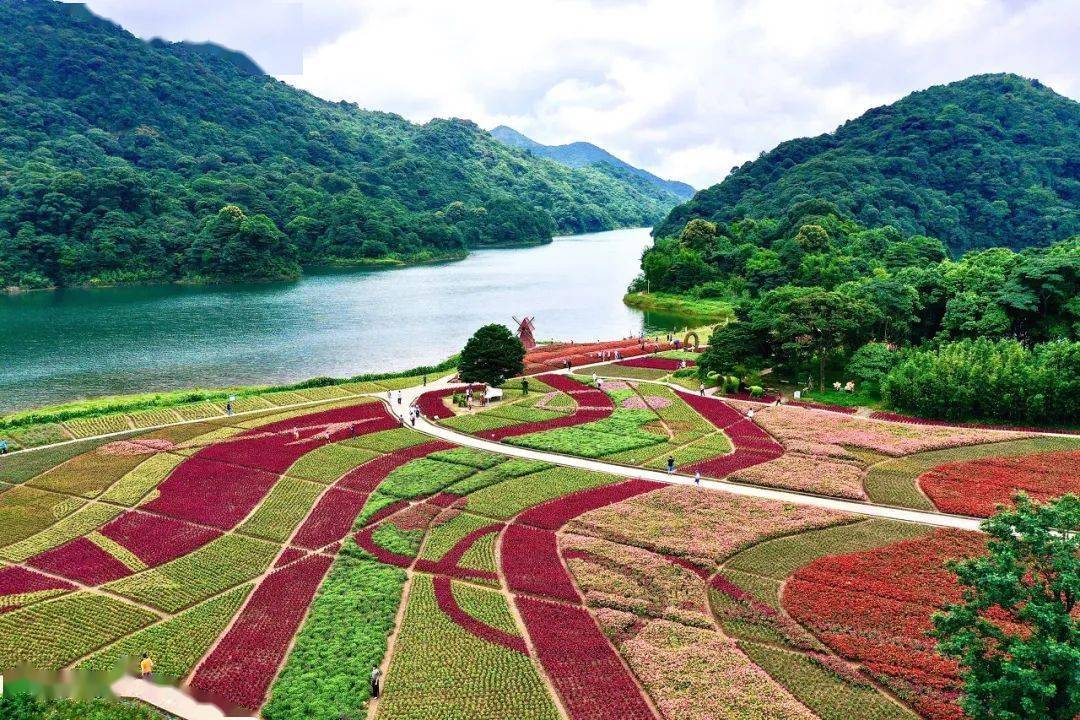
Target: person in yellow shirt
(146, 667)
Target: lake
(77, 343)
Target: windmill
(525, 332)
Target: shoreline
(704, 310)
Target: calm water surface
(71, 344)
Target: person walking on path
(425, 379)
(697, 478)
(701, 391)
(398, 397)
(228, 408)
(3, 447)
(146, 667)
(376, 675)
(671, 463)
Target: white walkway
(861, 508)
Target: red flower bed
(875, 608)
(81, 560)
(554, 357)
(530, 561)
(897, 417)
(431, 405)
(15, 580)
(246, 661)
(211, 492)
(656, 363)
(449, 565)
(365, 539)
(444, 595)
(585, 669)
(367, 477)
(330, 519)
(977, 487)
(593, 405)
(823, 406)
(715, 411)
(553, 514)
(156, 539)
(288, 556)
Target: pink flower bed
(15, 580)
(752, 444)
(530, 561)
(246, 661)
(911, 420)
(829, 428)
(823, 406)
(137, 446)
(156, 539)
(807, 474)
(211, 492)
(655, 363)
(330, 519)
(654, 402)
(444, 595)
(81, 560)
(614, 385)
(587, 672)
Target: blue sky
(684, 88)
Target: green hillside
(993, 160)
(124, 161)
(580, 154)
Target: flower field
(267, 563)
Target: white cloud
(686, 89)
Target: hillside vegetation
(122, 160)
(582, 154)
(993, 160)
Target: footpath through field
(409, 396)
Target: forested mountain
(581, 154)
(122, 160)
(993, 160)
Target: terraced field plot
(483, 586)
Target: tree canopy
(118, 155)
(491, 355)
(1014, 632)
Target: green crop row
(282, 510)
(52, 634)
(176, 644)
(326, 675)
(25, 511)
(74, 525)
(222, 564)
(143, 478)
(423, 477)
(439, 670)
(388, 441)
(508, 498)
(329, 462)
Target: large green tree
(1014, 632)
(491, 355)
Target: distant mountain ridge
(239, 60)
(580, 154)
(992, 160)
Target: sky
(684, 88)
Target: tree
(809, 323)
(1013, 632)
(491, 356)
(730, 346)
(871, 363)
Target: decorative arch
(692, 334)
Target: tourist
(425, 378)
(296, 433)
(389, 396)
(376, 675)
(412, 419)
(228, 408)
(3, 447)
(701, 390)
(352, 429)
(524, 386)
(682, 364)
(146, 667)
(398, 397)
(671, 463)
(750, 413)
(697, 478)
